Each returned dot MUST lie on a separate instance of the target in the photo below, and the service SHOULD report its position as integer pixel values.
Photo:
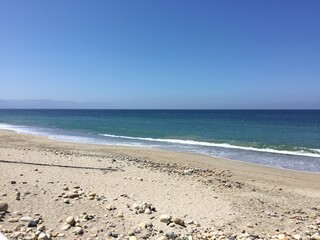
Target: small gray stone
(179, 221)
(17, 196)
(33, 223)
(3, 206)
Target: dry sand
(122, 192)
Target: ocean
(280, 138)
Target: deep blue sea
(280, 138)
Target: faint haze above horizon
(160, 54)
(51, 104)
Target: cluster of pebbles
(158, 226)
(33, 228)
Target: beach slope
(77, 191)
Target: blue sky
(162, 54)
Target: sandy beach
(77, 191)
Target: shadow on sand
(62, 166)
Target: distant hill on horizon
(49, 104)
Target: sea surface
(280, 138)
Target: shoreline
(177, 150)
(238, 198)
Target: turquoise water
(280, 138)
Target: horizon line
(172, 109)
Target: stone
(41, 228)
(297, 237)
(165, 218)
(142, 225)
(282, 237)
(315, 237)
(66, 201)
(144, 236)
(78, 231)
(33, 223)
(3, 206)
(26, 219)
(120, 215)
(162, 238)
(17, 196)
(179, 221)
(132, 238)
(91, 194)
(43, 236)
(66, 227)
(70, 220)
(135, 206)
(72, 195)
(147, 211)
(110, 207)
(250, 225)
(13, 220)
(18, 228)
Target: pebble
(142, 225)
(17, 196)
(78, 231)
(3, 206)
(43, 236)
(297, 237)
(41, 228)
(13, 220)
(17, 213)
(110, 207)
(179, 221)
(32, 224)
(315, 237)
(26, 219)
(282, 237)
(120, 215)
(250, 225)
(165, 218)
(66, 201)
(70, 220)
(72, 195)
(132, 238)
(66, 227)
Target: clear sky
(162, 54)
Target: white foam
(81, 139)
(223, 145)
(20, 129)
